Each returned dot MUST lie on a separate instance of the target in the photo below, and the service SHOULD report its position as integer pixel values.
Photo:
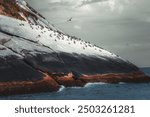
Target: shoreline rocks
(47, 84)
(134, 77)
(51, 83)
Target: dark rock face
(82, 64)
(46, 62)
(47, 72)
(93, 65)
(14, 69)
(47, 84)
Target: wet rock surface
(54, 82)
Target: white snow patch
(54, 39)
(7, 52)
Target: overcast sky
(120, 26)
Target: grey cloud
(63, 3)
(90, 2)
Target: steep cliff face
(32, 51)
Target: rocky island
(35, 56)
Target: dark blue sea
(97, 91)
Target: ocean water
(96, 91)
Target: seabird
(69, 20)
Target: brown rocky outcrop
(12, 9)
(68, 81)
(25, 87)
(53, 83)
(134, 77)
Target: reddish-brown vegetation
(25, 87)
(134, 77)
(11, 9)
(68, 81)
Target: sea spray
(122, 83)
(78, 87)
(61, 88)
(93, 84)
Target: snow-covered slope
(44, 35)
(39, 30)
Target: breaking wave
(61, 88)
(88, 85)
(93, 84)
(78, 87)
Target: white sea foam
(77, 87)
(122, 83)
(92, 84)
(61, 88)
(86, 86)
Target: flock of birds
(61, 36)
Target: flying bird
(69, 20)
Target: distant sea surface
(96, 91)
